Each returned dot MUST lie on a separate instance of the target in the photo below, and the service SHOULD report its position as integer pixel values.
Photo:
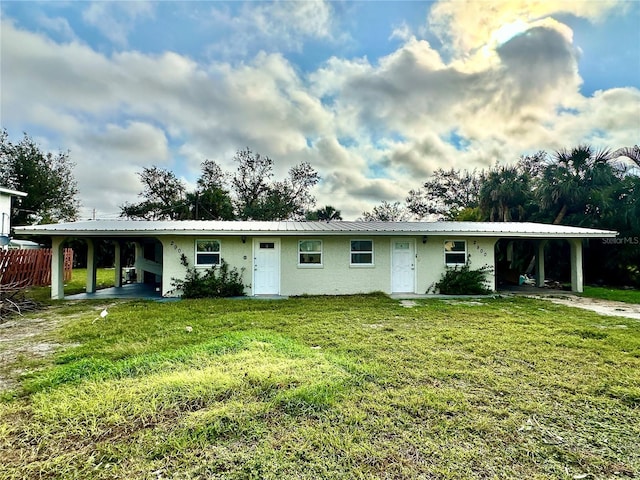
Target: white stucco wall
(5, 213)
(232, 250)
(336, 276)
(431, 258)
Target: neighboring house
(316, 258)
(23, 245)
(6, 195)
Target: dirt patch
(603, 307)
(23, 339)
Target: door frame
(256, 249)
(412, 242)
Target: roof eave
(15, 193)
(297, 233)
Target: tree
(212, 176)
(257, 197)
(325, 214)
(211, 200)
(210, 204)
(505, 194)
(446, 194)
(164, 197)
(251, 182)
(46, 177)
(571, 182)
(632, 153)
(387, 212)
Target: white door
(266, 266)
(402, 266)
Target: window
(267, 245)
(361, 252)
(455, 252)
(310, 252)
(402, 246)
(207, 252)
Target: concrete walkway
(140, 291)
(559, 297)
(603, 307)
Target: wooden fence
(31, 267)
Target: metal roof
(122, 228)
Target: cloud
(115, 20)
(401, 32)
(137, 140)
(57, 25)
(468, 25)
(108, 160)
(271, 26)
(374, 128)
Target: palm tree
(505, 193)
(632, 153)
(573, 179)
(326, 214)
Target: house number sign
(175, 247)
(479, 248)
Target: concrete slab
(133, 290)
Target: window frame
(320, 252)
(450, 252)
(352, 252)
(197, 253)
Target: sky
(374, 95)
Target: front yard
(347, 387)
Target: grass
(627, 296)
(77, 284)
(347, 387)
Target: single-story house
(316, 258)
(6, 194)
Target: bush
(217, 281)
(463, 281)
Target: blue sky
(375, 95)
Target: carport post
(117, 264)
(91, 266)
(139, 257)
(57, 268)
(540, 263)
(576, 265)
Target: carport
(511, 263)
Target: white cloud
(374, 128)
(115, 20)
(401, 32)
(468, 25)
(135, 141)
(57, 25)
(272, 26)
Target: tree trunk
(561, 214)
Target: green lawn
(338, 388)
(105, 277)
(628, 296)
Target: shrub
(217, 281)
(463, 281)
